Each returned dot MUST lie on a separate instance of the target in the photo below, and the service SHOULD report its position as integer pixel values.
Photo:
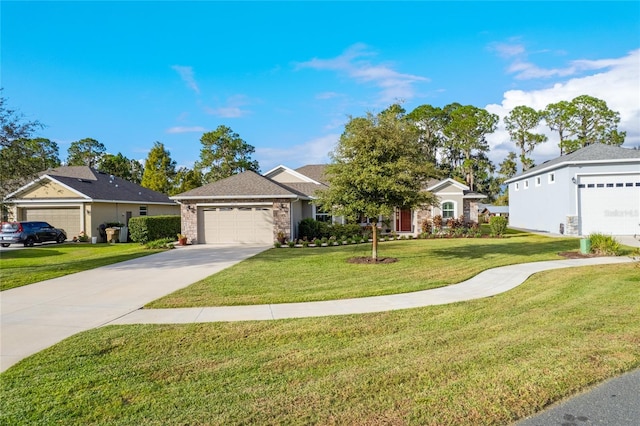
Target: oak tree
(377, 166)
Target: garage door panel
(238, 225)
(64, 218)
(610, 204)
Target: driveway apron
(36, 316)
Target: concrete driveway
(39, 315)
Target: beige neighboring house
(456, 201)
(253, 208)
(79, 198)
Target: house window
(448, 210)
(322, 215)
(517, 186)
(143, 210)
(552, 178)
(526, 184)
(538, 181)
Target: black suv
(28, 233)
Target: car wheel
(29, 242)
(5, 245)
(61, 239)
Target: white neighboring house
(594, 189)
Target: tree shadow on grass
(30, 253)
(508, 247)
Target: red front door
(403, 220)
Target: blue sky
(287, 75)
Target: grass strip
(485, 362)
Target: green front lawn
(485, 362)
(43, 262)
(308, 274)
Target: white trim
(19, 201)
(291, 171)
(66, 202)
(451, 181)
(232, 204)
(34, 182)
(155, 203)
(83, 217)
(233, 197)
(455, 209)
(577, 175)
(571, 163)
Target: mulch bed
(369, 260)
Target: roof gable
(96, 186)
(247, 184)
(595, 153)
(315, 172)
(445, 184)
(47, 187)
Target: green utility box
(585, 246)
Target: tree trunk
(374, 245)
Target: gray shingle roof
(590, 153)
(315, 172)
(246, 184)
(307, 188)
(102, 186)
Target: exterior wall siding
(546, 206)
(48, 189)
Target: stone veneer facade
(189, 215)
(469, 213)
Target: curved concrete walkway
(485, 284)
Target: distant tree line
(452, 139)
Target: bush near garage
(143, 229)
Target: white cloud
(393, 84)
(328, 95)
(315, 151)
(617, 82)
(187, 75)
(524, 69)
(184, 129)
(232, 109)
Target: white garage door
(237, 225)
(609, 204)
(67, 218)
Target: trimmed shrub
(143, 229)
(311, 229)
(162, 243)
(498, 225)
(308, 229)
(604, 245)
